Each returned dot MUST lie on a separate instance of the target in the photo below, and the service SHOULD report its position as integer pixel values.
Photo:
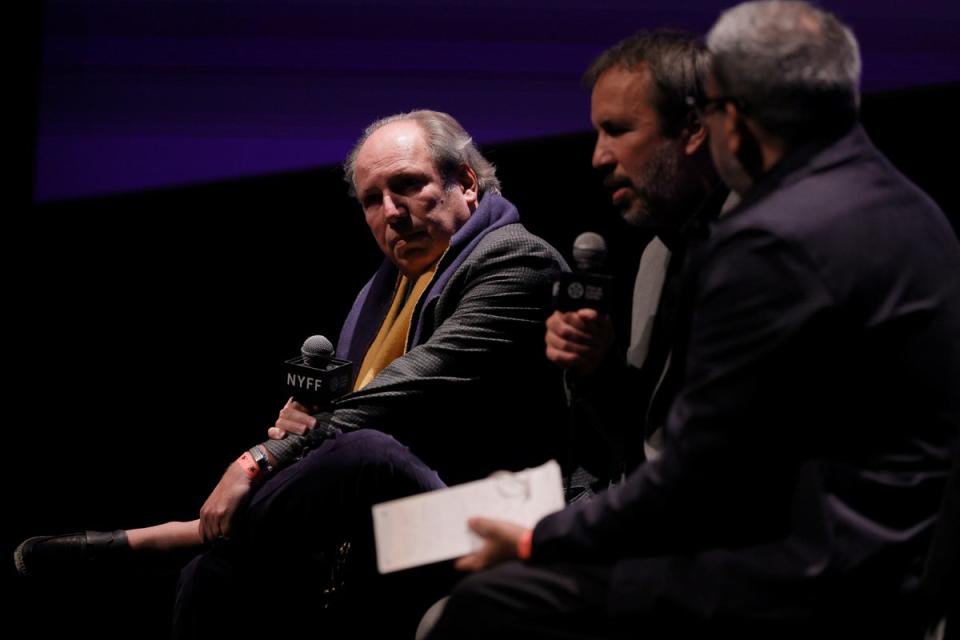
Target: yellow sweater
(391, 340)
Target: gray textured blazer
(474, 393)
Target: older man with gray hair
(450, 385)
(446, 341)
(807, 453)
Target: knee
(353, 450)
(477, 591)
(372, 456)
(470, 608)
(366, 446)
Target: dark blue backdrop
(153, 93)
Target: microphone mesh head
(317, 347)
(589, 251)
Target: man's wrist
(249, 466)
(525, 545)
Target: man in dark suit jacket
(807, 452)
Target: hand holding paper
(433, 526)
(500, 544)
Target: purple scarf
(373, 302)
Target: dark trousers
(514, 600)
(668, 597)
(286, 568)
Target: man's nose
(602, 155)
(393, 211)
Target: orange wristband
(249, 465)
(525, 545)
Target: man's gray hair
(794, 68)
(678, 64)
(450, 146)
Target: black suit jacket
(809, 446)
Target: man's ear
(694, 135)
(468, 181)
(743, 142)
(734, 129)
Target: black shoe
(52, 555)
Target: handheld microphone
(315, 377)
(586, 287)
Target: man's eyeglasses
(704, 105)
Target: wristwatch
(259, 455)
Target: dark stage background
(146, 328)
(141, 94)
